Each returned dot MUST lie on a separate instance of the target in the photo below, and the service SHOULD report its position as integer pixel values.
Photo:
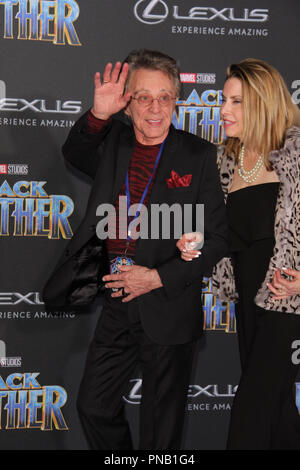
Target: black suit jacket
(171, 314)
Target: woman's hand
(284, 288)
(187, 244)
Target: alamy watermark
(296, 354)
(159, 221)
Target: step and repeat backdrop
(49, 52)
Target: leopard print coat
(286, 163)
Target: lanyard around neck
(145, 190)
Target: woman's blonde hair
(268, 109)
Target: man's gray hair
(154, 60)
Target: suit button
(67, 252)
(188, 284)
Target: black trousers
(119, 344)
(264, 414)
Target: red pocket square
(177, 181)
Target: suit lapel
(164, 164)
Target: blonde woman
(260, 174)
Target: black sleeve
(83, 149)
(176, 273)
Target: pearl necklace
(251, 175)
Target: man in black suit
(152, 311)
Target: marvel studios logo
(13, 169)
(10, 362)
(5, 361)
(203, 78)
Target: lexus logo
(144, 11)
(2, 349)
(212, 391)
(2, 89)
(156, 11)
